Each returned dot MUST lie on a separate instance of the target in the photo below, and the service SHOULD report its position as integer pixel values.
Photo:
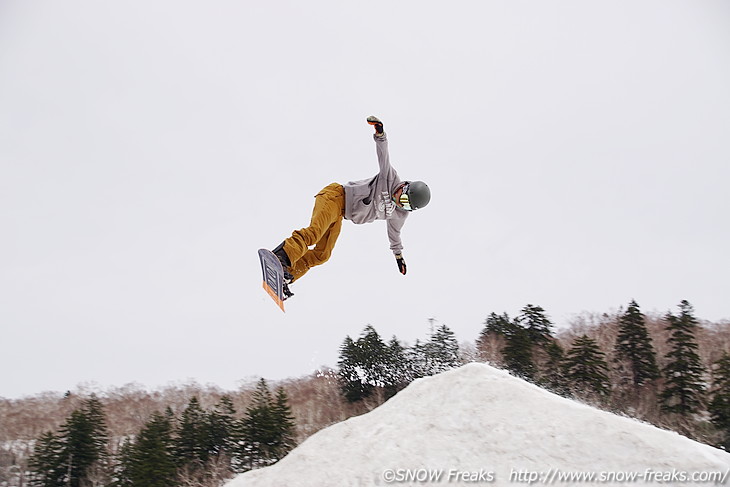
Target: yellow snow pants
(322, 232)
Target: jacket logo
(386, 204)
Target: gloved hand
(375, 122)
(401, 263)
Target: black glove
(401, 263)
(375, 122)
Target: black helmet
(415, 195)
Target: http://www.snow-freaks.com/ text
(551, 476)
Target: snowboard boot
(286, 264)
(287, 292)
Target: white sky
(578, 154)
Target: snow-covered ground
(479, 425)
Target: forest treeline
(652, 369)
(197, 447)
(670, 370)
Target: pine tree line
(527, 346)
(200, 448)
(368, 364)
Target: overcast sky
(578, 153)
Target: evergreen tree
(76, 452)
(191, 442)
(497, 325)
(684, 389)
(554, 377)
(417, 358)
(399, 368)
(284, 426)
(492, 338)
(442, 351)
(46, 462)
(94, 411)
(79, 443)
(259, 429)
(268, 429)
(633, 345)
(363, 365)
(221, 429)
(101, 466)
(537, 324)
(122, 469)
(517, 353)
(150, 460)
(351, 375)
(439, 353)
(586, 368)
(373, 357)
(720, 404)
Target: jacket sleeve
(381, 146)
(394, 227)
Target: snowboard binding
(287, 292)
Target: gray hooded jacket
(371, 199)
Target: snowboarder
(382, 197)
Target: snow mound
(479, 425)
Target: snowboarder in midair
(382, 197)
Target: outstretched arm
(381, 145)
(394, 228)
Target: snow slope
(479, 425)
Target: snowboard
(273, 276)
